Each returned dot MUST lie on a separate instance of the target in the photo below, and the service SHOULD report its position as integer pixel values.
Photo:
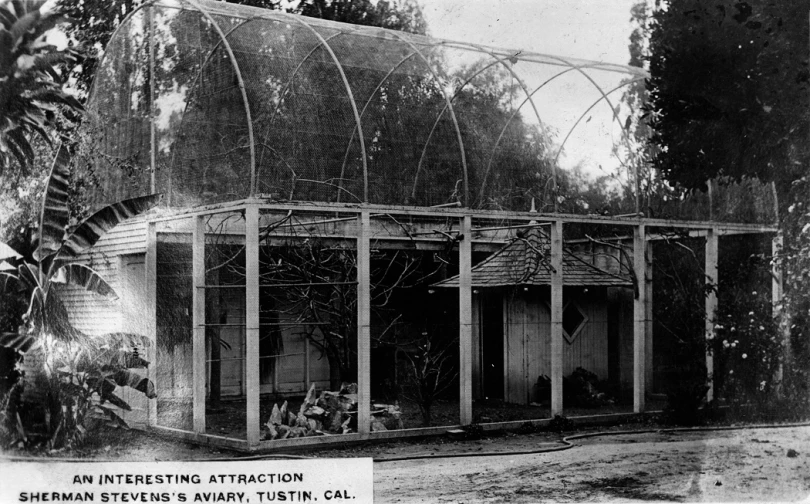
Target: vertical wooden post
(252, 378)
(648, 320)
(639, 317)
(711, 304)
(465, 320)
(506, 321)
(307, 364)
(152, 150)
(364, 324)
(556, 318)
(777, 291)
(198, 323)
(151, 317)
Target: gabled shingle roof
(526, 261)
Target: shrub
(684, 404)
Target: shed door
(491, 350)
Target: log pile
(328, 414)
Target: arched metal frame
(300, 20)
(354, 131)
(569, 63)
(242, 90)
(448, 105)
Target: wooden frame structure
(358, 226)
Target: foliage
(31, 86)
(679, 308)
(685, 401)
(584, 389)
(55, 407)
(430, 373)
(96, 20)
(49, 264)
(729, 91)
(77, 375)
(401, 15)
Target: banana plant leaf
(94, 227)
(83, 276)
(126, 378)
(55, 215)
(21, 342)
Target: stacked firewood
(328, 414)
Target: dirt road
(752, 465)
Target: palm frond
(19, 341)
(95, 226)
(24, 24)
(55, 215)
(85, 277)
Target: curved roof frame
(595, 103)
(449, 105)
(362, 112)
(283, 94)
(579, 68)
(242, 90)
(195, 82)
(570, 64)
(501, 60)
(352, 101)
(232, 58)
(508, 122)
(525, 91)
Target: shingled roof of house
(526, 261)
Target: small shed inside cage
(511, 330)
(308, 170)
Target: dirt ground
(751, 464)
(731, 466)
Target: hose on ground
(567, 444)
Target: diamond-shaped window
(573, 320)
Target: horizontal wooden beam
(457, 213)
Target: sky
(588, 29)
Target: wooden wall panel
(527, 351)
(538, 348)
(514, 367)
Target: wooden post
(648, 320)
(711, 304)
(777, 291)
(152, 142)
(465, 321)
(639, 317)
(364, 324)
(151, 317)
(252, 378)
(307, 364)
(198, 323)
(556, 318)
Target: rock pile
(328, 414)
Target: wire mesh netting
(248, 101)
(228, 101)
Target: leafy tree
(75, 366)
(96, 20)
(728, 99)
(729, 91)
(395, 15)
(31, 85)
